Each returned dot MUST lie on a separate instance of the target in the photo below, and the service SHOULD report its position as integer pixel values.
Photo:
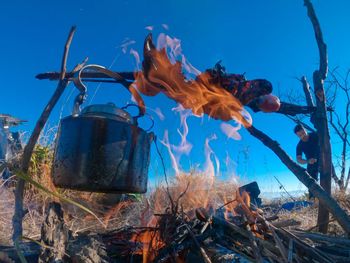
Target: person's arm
(301, 160)
(299, 155)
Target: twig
(229, 202)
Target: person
(308, 145)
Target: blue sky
(266, 39)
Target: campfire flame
(203, 96)
(163, 72)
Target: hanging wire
(66, 102)
(100, 83)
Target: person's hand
(312, 161)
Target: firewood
(321, 237)
(286, 223)
(55, 235)
(300, 245)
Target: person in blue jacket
(307, 151)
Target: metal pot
(102, 149)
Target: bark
(324, 197)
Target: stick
(288, 222)
(87, 76)
(201, 249)
(313, 253)
(321, 237)
(28, 150)
(255, 247)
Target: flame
(209, 166)
(173, 160)
(184, 147)
(231, 131)
(151, 244)
(203, 96)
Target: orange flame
(201, 95)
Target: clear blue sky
(266, 39)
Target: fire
(151, 244)
(201, 95)
(161, 72)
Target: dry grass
(191, 191)
(307, 216)
(194, 190)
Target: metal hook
(83, 89)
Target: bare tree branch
(322, 47)
(305, 178)
(306, 88)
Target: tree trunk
(321, 121)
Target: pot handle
(80, 98)
(138, 116)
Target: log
(321, 237)
(303, 247)
(286, 223)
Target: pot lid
(108, 110)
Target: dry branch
(305, 178)
(28, 150)
(306, 88)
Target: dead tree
(340, 89)
(320, 120)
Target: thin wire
(66, 101)
(100, 83)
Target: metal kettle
(102, 149)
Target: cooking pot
(102, 149)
